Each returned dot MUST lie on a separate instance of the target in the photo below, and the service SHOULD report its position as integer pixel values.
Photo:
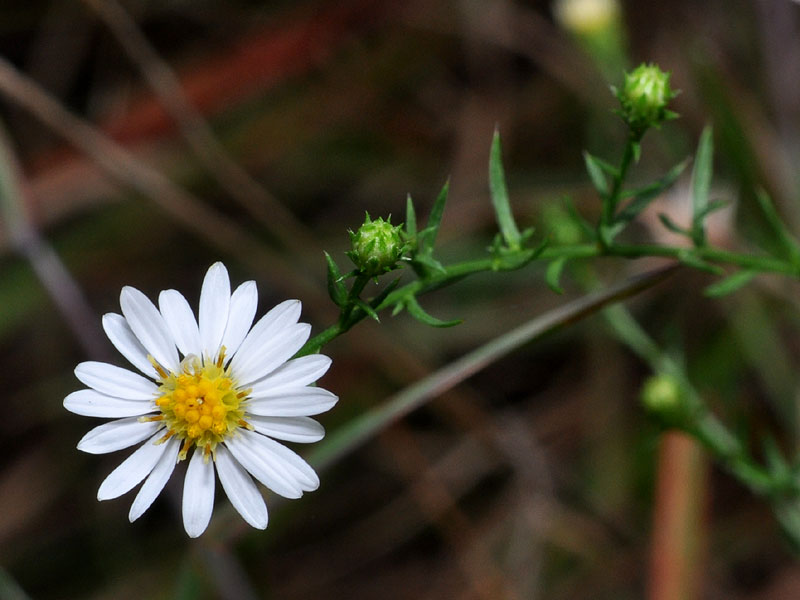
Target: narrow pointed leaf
(644, 196)
(427, 237)
(336, 288)
(713, 206)
(378, 300)
(586, 226)
(773, 457)
(729, 284)
(367, 309)
(692, 260)
(428, 263)
(672, 226)
(596, 174)
(784, 237)
(499, 194)
(411, 218)
(553, 274)
(701, 184)
(416, 311)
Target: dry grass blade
(212, 226)
(359, 430)
(51, 271)
(233, 178)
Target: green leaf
(701, 184)
(416, 311)
(367, 309)
(594, 166)
(672, 226)
(694, 261)
(713, 206)
(660, 185)
(785, 238)
(499, 194)
(411, 219)
(586, 226)
(425, 264)
(427, 237)
(378, 300)
(774, 459)
(553, 274)
(730, 284)
(644, 196)
(636, 148)
(336, 288)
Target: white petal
(132, 470)
(244, 302)
(291, 429)
(299, 402)
(116, 381)
(262, 466)
(149, 326)
(181, 322)
(124, 340)
(240, 489)
(215, 298)
(157, 479)
(198, 494)
(116, 435)
(90, 403)
(283, 315)
(288, 461)
(273, 353)
(297, 372)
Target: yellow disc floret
(201, 405)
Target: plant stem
(457, 271)
(610, 202)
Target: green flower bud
(663, 397)
(644, 98)
(377, 246)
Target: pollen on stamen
(221, 357)
(159, 369)
(165, 437)
(201, 404)
(151, 419)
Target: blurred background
(150, 139)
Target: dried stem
(261, 205)
(186, 209)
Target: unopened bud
(664, 398)
(377, 246)
(644, 98)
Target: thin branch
(198, 134)
(124, 167)
(359, 430)
(63, 290)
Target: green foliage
(701, 185)
(669, 396)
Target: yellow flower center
(201, 405)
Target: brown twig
(678, 541)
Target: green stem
(610, 202)
(455, 272)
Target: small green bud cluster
(664, 398)
(377, 246)
(644, 98)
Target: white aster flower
(215, 389)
